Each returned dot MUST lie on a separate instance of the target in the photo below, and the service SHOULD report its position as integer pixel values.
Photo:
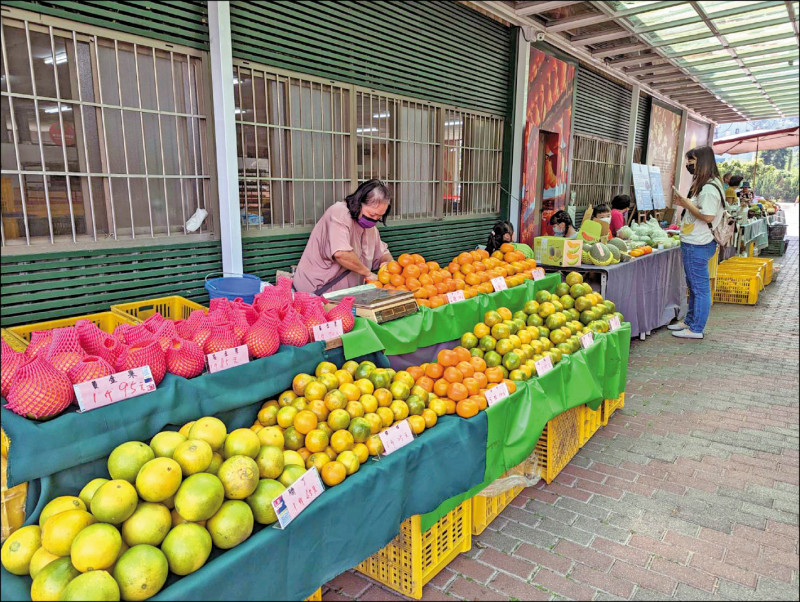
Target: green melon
(599, 253)
(619, 244)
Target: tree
(778, 157)
(770, 181)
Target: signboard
(641, 186)
(455, 297)
(496, 393)
(499, 284)
(222, 360)
(656, 187)
(328, 330)
(113, 388)
(298, 496)
(396, 436)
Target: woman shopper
(702, 212)
(619, 212)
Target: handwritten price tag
(537, 274)
(116, 387)
(543, 366)
(455, 297)
(396, 436)
(587, 340)
(499, 284)
(222, 360)
(613, 323)
(298, 496)
(495, 394)
(328, 331)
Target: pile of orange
(461, 379)
(471, 272)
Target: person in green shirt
(503, 232)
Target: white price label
(222, 360)
(499, 284)
(496, 393)
(537, 274)
(455, 297)
(613, 323)
(587, 340)
(298, 496)
(328, 331)
(661, 246)
(543, 366)
(113, 388)
(396, 436)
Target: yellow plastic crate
(107, 321)
(765, 262)
(713, 263)
(590, 422)
(315, 597)
(560, 441)
(610, 406)
(172, 308)
(748, 270)
(12, 504)
(737, 287)
(16, 343)
(413, 558)
(485, 508)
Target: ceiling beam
(619, 49)
(602, 36)
(577, 21)
(535, 8)
(736, 10)
(654, 69)
(729, 30)
(638, 60)
(793, 19)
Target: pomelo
(271, 435)
(165, 442)
(40, 559)
(95, 585)
(141, 572)
(126, 460)
(96, 547)
(184, 430)
(211, 430)
(114, 502)
(291, 473)
(177, 519)
(53, 579)
(270, 462)
(60, 530)
(187, 548)
(88, 491)
(193, 456)
(19, 548)
(149, 524)
(216, 462)
(158, 479)
(292, 457)
(231, 525)
(260, 501)
(241, 442)
(239, 476)
(199, 497)
(60, 504)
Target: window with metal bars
(598, 169)
(305, 143)
(104, 135)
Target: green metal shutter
(642, 120)
(184, 23)
(439, 51)
(602, 107)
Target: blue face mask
(559, 231)
(366, 222)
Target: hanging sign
(613, 323)
(587, 340)
(537, 274)
(113, 388)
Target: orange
(466, 408)
(453, 375)
(438, 301)
(425, 279)
(433, 266)
(405, 260)
(465, 368)
(505, 313)
(426, 382)
(472, 385)
(512, 386)
(482, 380)
(421, 294)
(333, 473)
(442, 288)
(423, 303)
(434, 370)
(450, 405)
(447, 358)
(423, 268)
(506, 247)
(417, 424)
(342, 441)
(417, 258)
(320, 410)
(440, 387)
(430, 417)
(460, 284)
(457, 391)
(384, 276)
(397, 280)
(436, 277)
(384, 397)
(462, 354)
(476, 256)
(411, 271)
(412, 284)
(495, 374)
(316, 441)
(481, 330)
(478, 363)
(393, 267)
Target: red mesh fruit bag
(313, 317)
(90, 336)
(39, 391)
(202, 330)
(64, 350)
(89, 368)
(10, 360)
(222, 337)
(165, 333)
(301, 300)
(262, 338)
(144, 354)
(185, 358)
(40, 340)
(344, 312)
(218, 318)
(250, 314)
(292, 330)
(153, 323)
(138, 334)
(218, 304)
(110, 349)
(119, 331)
(196, 316)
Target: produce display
(470, 272)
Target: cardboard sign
(116, 387)
(537, 274)
(455, 297)
(499, 284)
(587, 340)
(222, 360)
(613, 323)
(656, 187)
(328, 331)
(495, 394)
(298, 496)
(543, 366)
(641, 186)
(396, 436)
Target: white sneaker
(687, 334)
(678, 326)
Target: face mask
(605, 219)
(559, 231)
(366, 222)
(690, 168)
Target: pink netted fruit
(262, 338)
(40, 341)
(165, 333)
(110, 348)
(64, 350)
(138, 334)
(144, 354)
(39, 391)
(218, 304)
(10, 360)
(250, 313)
(185, 358)
(314, 316)
(344, 312)
(292, 330)
(63, 362)
(153, 323)
(221, 338)
(119, 331)
(90, 336)
(89, 368)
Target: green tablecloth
(73, 438)
(431, 326)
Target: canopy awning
(757, 140)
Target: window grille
(598, 168)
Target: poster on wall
(697, 134)
(662, 145)
(641, 187)
(656, 189)
(548, 121)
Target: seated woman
(503, 232)
(562, 225)
(619, 209)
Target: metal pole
(632, 118)
(755, 166)
(518, 124)
(219, 21)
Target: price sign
(661, 246)
(396, 436)
(497, 393)
(455, 296)
(222, 360)
(499, 284)
(298, 496)
(537, 274)
(613, 323)
(587, 340)
(328, 331)
(116, 387)
(543, 366)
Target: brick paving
(690, 492)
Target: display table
(649, 291)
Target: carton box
(592, 231)
(558, 251)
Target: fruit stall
(250, 416)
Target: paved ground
(689, 493)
